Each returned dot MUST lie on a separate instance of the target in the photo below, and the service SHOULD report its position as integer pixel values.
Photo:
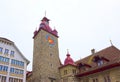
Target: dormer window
(83, 66)
(100, 62)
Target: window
(65, 80)
(95, 80)
(51, 65)
(11, 70)
(1, 67)
(50, 54)
(4, 59)
(5, 68)
(1, 50)
(107, 79)
(74, 71)
(12, 61)
(21, 71)
(65, 72)
(10, 79)
(22, 63)
(16, 71)
(18, 63)
(12, 53)
(52, 80)
(100, 62)
(3, 79)
(1, 58)
(6, 51)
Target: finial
(67, 51)
(54, 27)
(111, 43)
(36, 28)
(45, 13)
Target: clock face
(50, 40)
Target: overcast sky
(81, 24)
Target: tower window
(51, 65)
(50, 54)
(65, 72)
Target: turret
(68, 60)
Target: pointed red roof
(68, 60)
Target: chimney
(93, 51)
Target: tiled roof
(111, 53)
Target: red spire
(68, 60)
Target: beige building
(101, 66)
(13, 64)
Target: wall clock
(50, 39)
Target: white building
(13, 64)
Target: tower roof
(45, 19)
(44, 25)
(68, 60)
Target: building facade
(101, 66)
(13, 64)
(45, 56)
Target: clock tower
(46, 60)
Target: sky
(81, 24)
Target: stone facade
(45, 57)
